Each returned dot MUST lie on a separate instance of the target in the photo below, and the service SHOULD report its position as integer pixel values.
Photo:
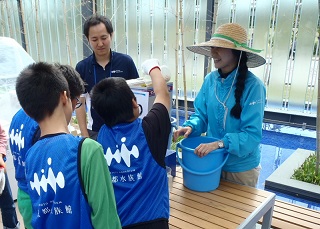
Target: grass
(307, 171)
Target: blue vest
(54, 185)
(140, 183)
(21, 133)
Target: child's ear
(64, 97)
(134, 103)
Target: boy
(62, 170)
(24, 132)
(102, 63)
(140, 181)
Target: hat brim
(204, 48)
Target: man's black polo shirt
(120, 65)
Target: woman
(230, 104)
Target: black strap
(79, 169)
(36, 135)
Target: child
(139, 181)
(8, 210)
(63, 171)
(24, 132)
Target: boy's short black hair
(76, 84)
(112, 99)
(96, 19)
(39, 87)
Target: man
(101, 64)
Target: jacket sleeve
(98, 186)
(3, 141)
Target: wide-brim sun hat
(232, 36)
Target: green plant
(306, 172)
(174, 143)
(74, 120)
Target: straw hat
(232, 36)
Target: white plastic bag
(2, 180)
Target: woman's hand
(185, 131)
(203, 149)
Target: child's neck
(54, 124)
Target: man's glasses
(78, 104)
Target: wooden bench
(229, 205)
(287, 215)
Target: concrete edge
(280, 179)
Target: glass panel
(51, 29)
(30, 28)
(118, 22)
(76, 32)
(13, 14)
(189, 36)
(4, 29)
(242, 16)
(158, 30)
(315, 70)
(145, 30)
(44, 31)
(195, 62)
(108, 7)
(171, 40)
(261, 34)
(223, 13)
(280, 50)
(132, 31)
(303, 55)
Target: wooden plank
(178, 223)
(203, 215)
(293, 215)
(293, 220)
(216, 202)
(215, 214)
(245, 188)
(239, 192)
(173, 227)
(297, 208)
(192, 220)
(297, 215)
(242, 202)
(280, 224)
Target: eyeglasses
(78, 104)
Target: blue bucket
(201, 174)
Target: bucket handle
(198, 173)
(174, 125)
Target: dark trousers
(8, 210)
